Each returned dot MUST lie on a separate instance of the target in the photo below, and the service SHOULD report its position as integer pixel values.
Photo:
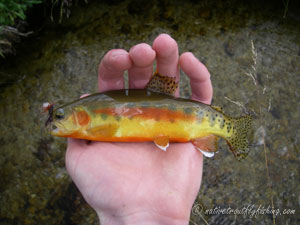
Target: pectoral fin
(162, 142)
(106, 130)
(208, 145)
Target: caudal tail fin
(238, 142)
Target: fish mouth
(54, 130)
(57, 129)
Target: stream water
(253, 55)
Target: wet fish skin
(143, 115)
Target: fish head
(65, 121)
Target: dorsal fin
(162, 84)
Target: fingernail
(118, 53)
(165, 34)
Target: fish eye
(59, 114)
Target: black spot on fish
(200, 113)
(104, 116)
(212, 120)
(200, 116)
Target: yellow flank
(151, 128)
(216, 128)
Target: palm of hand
(124, 179)
(135, 177)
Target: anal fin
(162, 142)
(208, 145)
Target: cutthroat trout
(149, 115)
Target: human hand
(137, 183)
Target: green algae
(61, 64)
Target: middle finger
(142, 57)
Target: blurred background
(50, 51)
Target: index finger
(111, 70)
(199, 77)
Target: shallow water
(62, 63)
